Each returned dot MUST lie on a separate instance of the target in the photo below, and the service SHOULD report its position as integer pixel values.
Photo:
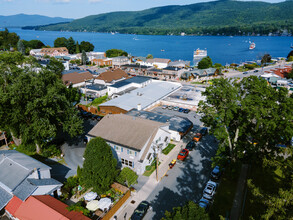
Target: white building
(133, 140)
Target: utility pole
(85, 92)
(156, 149)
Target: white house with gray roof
(23, 176)
(133, 140)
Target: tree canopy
(39, 101)
(205, 63)
(127, 177)
(115, 53)
(266, 58)
(20, 47)
(248, 117)
(84, 58)
(189, 211)
(99, 166)
(8, 40)
(72, 46)
(33, 44)
(86, 46)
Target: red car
(183, 154)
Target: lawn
(151, 168)
(99, 100)
(168, 149)
(225, 194)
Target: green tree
(290, 54)
(248, 118)
(266, 59)
(290, 75)
(71, 45)
(40, 108)
(84, 58)
(189, 211)
(77, 50)
(127, 176)
(205, 63)
(115, 53)
(86, 46)
(60, 42)
(99, 166)
(20, 47)
(56, 67)
(33, 44)
(149, 56)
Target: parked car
(255, 71)
(203, 131)
(204, 203)
(197, 137)
(186, 111)
(97, 117)
(183, 154)
(85, 140)
(190, 146)
(164, 106)
(210, 190)
(172, 163)
(216, 173)
(176, 108)
(170, 107)
(245, 72)
(85, 114)
(180, 109)
(140, 211)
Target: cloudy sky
(82, 8)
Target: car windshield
(181, 154)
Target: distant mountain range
(21, 20)
(217, 17)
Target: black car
(140, 211)
(186, 111)
(190, 145)
(216, 173)
(85, 114)
(203, 131)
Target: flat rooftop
(135, 79)
(145, 96)
(187, 95)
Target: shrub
(51, 151)
(127, 176)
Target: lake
(221, 49)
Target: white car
(210, 190)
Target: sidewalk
(128, 207)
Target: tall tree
(20, 47)
(248, 118)
(84, 58)
(86, 46)
(60, 42)
(115, 53)
(71, 45)
(8, 40)
(99, 166)
(38, 99)
(77, 50)
(266, 59)
(149, 56)
(56, 67)
(205, 63)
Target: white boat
(199, 54)
(252, 46)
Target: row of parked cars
(176, 108)
(210, 188)
(88, 115)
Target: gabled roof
(13, 205)
(51, 50)
(126, 130)
(43, 207)
(76, 77)
(4, 197)
(111, 75)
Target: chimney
(138, 107)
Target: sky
(81, 8)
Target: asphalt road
(185, 181)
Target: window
(122, 161)
(135, 153)
(166, 139)
(121, 149)
(130, 164)
(126, 162)
(127, 151)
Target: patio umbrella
(93, 205)
(90, 196)
(104, 203)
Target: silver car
(210, 190)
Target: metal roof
(97, 87)
(176, 123)
(24, 190)
(145, 96)
(135, 79)
(4, 197)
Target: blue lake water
(222, 49)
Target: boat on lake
(199, 54)
(252, 46)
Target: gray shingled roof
(24, 190)
(44, 182)
(4, 197)
(126, 130)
